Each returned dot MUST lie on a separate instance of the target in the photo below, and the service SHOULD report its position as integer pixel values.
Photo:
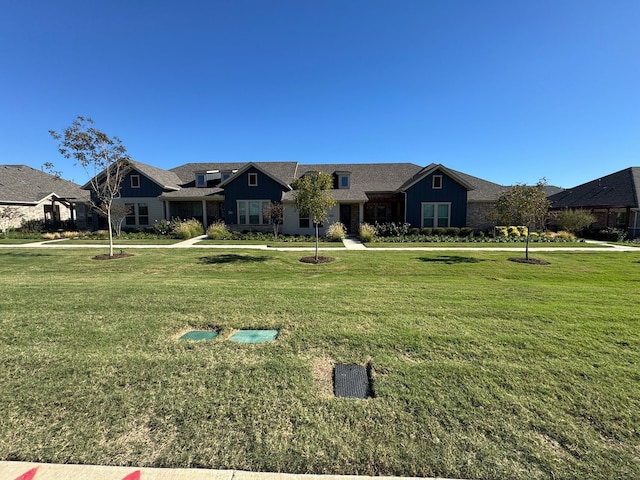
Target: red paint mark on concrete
(133, 476)
(28, 475)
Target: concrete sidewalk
(348, 244)
(45, 471)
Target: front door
(345, 216)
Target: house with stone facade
(30, 194)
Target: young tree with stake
(313, 199)
(524, 205)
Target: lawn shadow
(450, 259)
(25, 254)
(231, 258)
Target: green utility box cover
(198, 335)
(254, 336)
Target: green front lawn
(481, 367)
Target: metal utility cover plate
(351, 381)
(198, 335)
(254, 336)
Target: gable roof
(23, 184)
(431, 168)
(166, 179)
(282, 172)
(619, 189)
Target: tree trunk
(316, 243)
(526, 248)
(110, 231)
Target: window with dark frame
(253, 179)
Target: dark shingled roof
(619, 189)
(186, 172)
(165, 178)
(23, 184)
(368, 177)
(483, 190)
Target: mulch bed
(531, 261)
(320, 260)
(105, 256)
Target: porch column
(204, 215)
(361, 213)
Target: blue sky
(510, 91)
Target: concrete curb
(46, 471)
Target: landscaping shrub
(438, 231)
(426, 231)
(391, 229)
(188, 229)
(218, 231)
(367, 233)
(32, 226)
(336, 232)
(452, 231)
(465, 232)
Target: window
(436, 215)
(201, 180)
(253, 179)
(343, 181)
(143, 214)
(436, 182)
(131, 217)
(135, 181)
(253, 212)
(138, 214)
(303, 222)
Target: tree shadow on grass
(231, 258)
(25, 254)
(449, 259)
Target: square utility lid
(254, 336)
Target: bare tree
(7, 215)
(275, 213)
(104, 159)
(118, 214)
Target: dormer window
(436, 182)
(344, 179)
(253, 179)
(135, 181)
(201, 180)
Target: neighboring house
(240, 193)
(40, 196)
(612, 199)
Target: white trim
(433, 182)
(137, 177)
(435, 214)
(247, 215)
(250, 176)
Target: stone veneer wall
(477, 213)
